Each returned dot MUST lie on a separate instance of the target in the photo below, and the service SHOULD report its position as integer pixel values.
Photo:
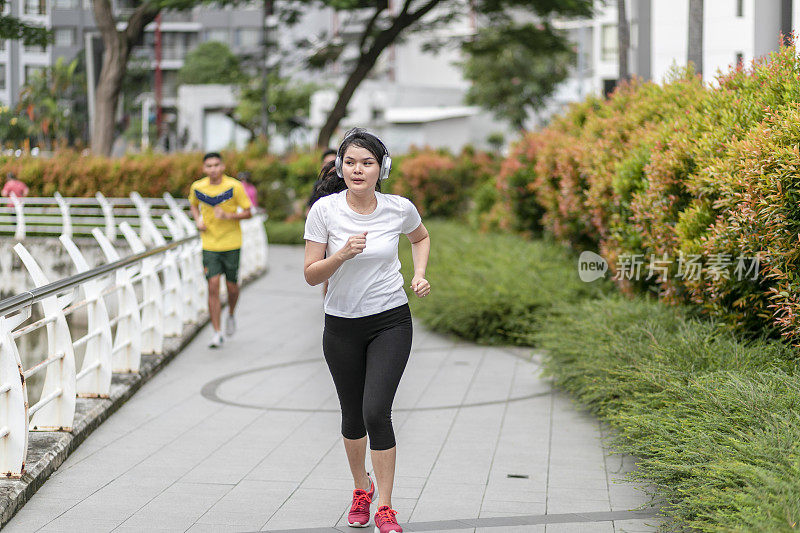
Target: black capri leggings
(366, 357)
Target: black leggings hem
(366, 357)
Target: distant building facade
(72, 20)
(734, 31)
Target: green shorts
(216, 263)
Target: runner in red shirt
(13, 185)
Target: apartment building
(72, 21)
(734, 31)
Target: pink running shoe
(359, 511)
(385, 522)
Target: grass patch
(714, 420)
(281, 232)
(492, 288)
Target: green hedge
(682, 168)
(283, 232)
(492, 288)
(715, 420)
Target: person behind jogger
(351, 240)
(215, 201)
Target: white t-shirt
(370, 282)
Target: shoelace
(387, 515)
(361, 501)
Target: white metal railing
(45, 216)
(166, 268)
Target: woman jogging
(351, 240)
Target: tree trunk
(117, 45)
(694, 51)
(339, 110)
(109, 84)
(366, 61)
(623, 41)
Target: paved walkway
(246, 438)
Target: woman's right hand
(354, 246)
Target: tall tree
(623, 41)
(289, 104)
(385, 26)
(117, 46)
(694, 50)
(211, 62)
(513, 69)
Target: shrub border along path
(714, 419)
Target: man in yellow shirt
(218, 203)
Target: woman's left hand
(420, 286)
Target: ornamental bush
(673, 171)
(74, 174)
(439, 183)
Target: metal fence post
(66, 220)
(56, 408)
(126, 354)
(152, 302)
(13, 401)
(94, 379)
(173, 290)
(190, 311)
(19, 231)
(108, 216)
(150, 234)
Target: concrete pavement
(246, 438)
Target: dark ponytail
(327, 183)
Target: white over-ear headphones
(386, 162)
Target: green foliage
(211, 62)
(283, 232)
(19, 30)
(713, 420)
(48, 99)
(73, 174)
(514, 68)
(289, 103)
(491, 288)
(679, 168)
(14, 128)
(440, 184)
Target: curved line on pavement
(210, 391)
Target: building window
(87, 4)
(65, 4)
(608, 87)
(608, 42)
(2, 76)
(35, 7)
(739, 8)
(2, 45)
(35, 49)
(64, 37)
(739, 60)
(220, 35)
(247, 37)
(33, 70)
